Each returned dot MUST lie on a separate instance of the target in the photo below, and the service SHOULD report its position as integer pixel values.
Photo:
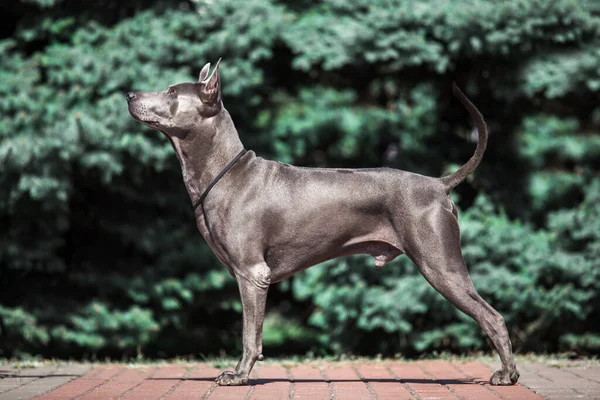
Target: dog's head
(180, 108)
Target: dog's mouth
(147, 122)
(140, 114)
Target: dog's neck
(204, 153)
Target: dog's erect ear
(210, 88)
(204, 72)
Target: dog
(267, 220)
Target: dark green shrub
(99, 253)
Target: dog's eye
(171, 92)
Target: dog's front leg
(253, 284)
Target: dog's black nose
(130, 96)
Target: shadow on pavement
(263, 381)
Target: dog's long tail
(457, 177)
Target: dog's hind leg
(253, 283)
(439, 258)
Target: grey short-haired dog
(266, 220)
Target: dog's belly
(286, 260)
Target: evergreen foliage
(99, 252)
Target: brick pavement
(16, 383)
(388, 379)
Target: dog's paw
(504, 378)
(230, 378)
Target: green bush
(99, 252)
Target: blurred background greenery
(99, 252)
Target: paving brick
(120, 383)
(39, 372)
(104, 372)
(516, 392)
(429, 392)
(591, 373)
(35, 388)
(273, 383)
(228, 393)
(457, 381)
(565, 383)
(478, 372)
(11, 383)
(419, 382)
(538, 383)
(383, 383)
(58, 378)
(204, 372)
(175, 378)
(346, 383)
(30, 382)
(591, 394)
(170, 372)
(444, 372)
(72, 370)
(309, 383)
(150, 390)
(474, 391)
(532, 378)
(558, 394)
(566, 378)
(411, 373)
(73, 389)
(381, 380)
(188, 390)
(199, 381)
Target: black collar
(214, 181)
